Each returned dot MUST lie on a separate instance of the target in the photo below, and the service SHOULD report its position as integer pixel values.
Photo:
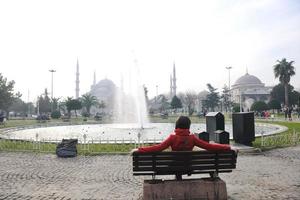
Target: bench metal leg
(153, 177)
(214, 175)
(178, 177)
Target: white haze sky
(202, 37)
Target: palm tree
(88, 101)
(73, 104)
(284, 70)
(54, 103)
(68, 104)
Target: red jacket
(182, 140)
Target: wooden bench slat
(182, 168)
(194, 172)
(168, 157)
(177, 162)
(182, 152)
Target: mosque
(248, 89)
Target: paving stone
(272, 175)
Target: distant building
(248, 89)
(105, 91)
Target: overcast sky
(201, 37)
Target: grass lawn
(287, 138)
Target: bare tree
(189, 99)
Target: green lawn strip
(83, 149)
(284, 139)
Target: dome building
(105, 91)
(249, 89)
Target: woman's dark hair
(183, 122)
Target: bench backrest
(183, 162)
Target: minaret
(174, 80)
(171, 87)
(122, 83)
(94, 82)
(77, 80)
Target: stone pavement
(272, 175)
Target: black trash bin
(214, 121)
(222, 137)
(67, 148)
(204, 136)
(243, 128)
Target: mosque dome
(106, 83)
(248, 79)
(104, 89)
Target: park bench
(183, 162)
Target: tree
(274, 104)
(54, 103)
(236, 107)
(146, 94)
(62, 107)
(55, 114)
(44, 103)
(259, 106)
(88, 101)
(164, 104)
(278, 93)
(19, 106)
(284, 70)
(225, 97)
(7, 96)
(73, 104)
(189, 100)
(212, 99)
(176, 102)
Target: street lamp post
(229, 68)
(52, 71)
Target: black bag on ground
(67, 148)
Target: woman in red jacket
(183, 140)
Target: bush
(99, 116)
(55, 114)
(85, 114)
(259, 106)
(236, 108)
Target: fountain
(130, 105)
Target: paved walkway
(272, 175)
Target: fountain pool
(120, 132)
